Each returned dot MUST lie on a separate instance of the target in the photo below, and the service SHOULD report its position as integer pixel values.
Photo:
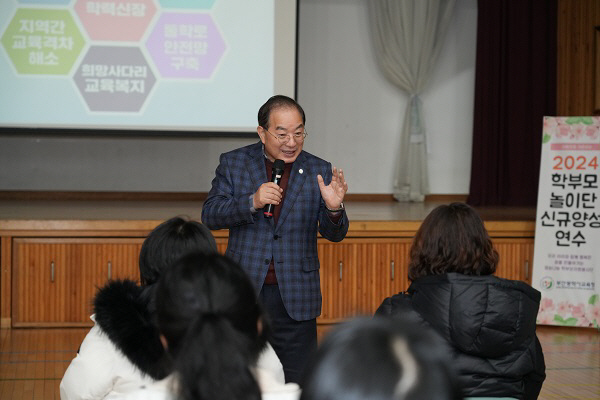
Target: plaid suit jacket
(254, 240)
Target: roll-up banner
(567, 234)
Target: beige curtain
(407, 37)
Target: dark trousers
(293, 341)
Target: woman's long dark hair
(452, 238)
(208, 313)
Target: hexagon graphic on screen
(115, 79)
(42, 41)
(116, 20)
(187, 4)
(186, 45)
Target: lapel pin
(301, 170)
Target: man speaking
(273, 211)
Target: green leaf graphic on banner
(579, 120)
(566, 322)
(593, 299)
(546, 138)
(587, 120)
(559, 319)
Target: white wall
(353, 117)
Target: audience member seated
(213, 329)
(381, 359)
(489, 322)
(123, 349)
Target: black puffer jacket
(490, 323)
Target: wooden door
(516, 258)
(221, 245)
(383, 270)
(55, 280)
(357, 274)
(40, 281)
(338, 279)
(119, 259)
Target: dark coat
(123, 312)
(292, 244)
(490, 323)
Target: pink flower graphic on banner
(545, 318)
(546, 305)
(570, 128)
(550, 125)
(578, 311)
(576, 132)
(593, 131)
(563, 130)
(563, 308)
(593, 313)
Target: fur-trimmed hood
(122, 310)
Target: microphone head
(279, 164)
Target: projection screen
(169, 67)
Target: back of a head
(208, 313)
(169, 241)
(452, 238)
(381, 359)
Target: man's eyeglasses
(283, 138)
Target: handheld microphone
(278, 167)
